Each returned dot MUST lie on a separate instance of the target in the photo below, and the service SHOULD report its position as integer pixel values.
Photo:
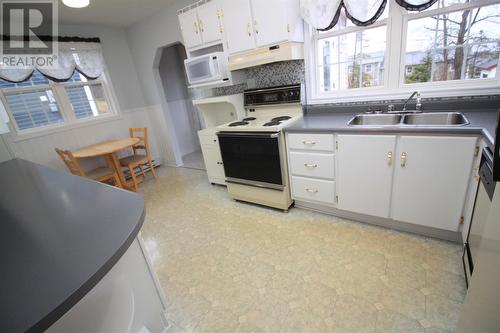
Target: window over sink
(454, 42)
(350, 57)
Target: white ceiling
(118, 13)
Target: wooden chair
(101, 174)
(137, 160)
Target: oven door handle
(248, 135)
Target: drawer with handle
(319, 165)
(313, 190)
(311, 141)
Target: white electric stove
(253, 148)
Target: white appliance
(207, 69)
(266, 55)
(253, 148)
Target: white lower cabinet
(417, 179)
(319, 165)
(311, 141)
(364, 173)
(318, 190)
(212, 156)
(311, 162)
(213, 163)
(431, 179)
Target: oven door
(252, 158)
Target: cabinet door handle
(201, 25)
(389, 158)
(307, 165)
(404, 157)
(311, 190)
(196, 27)
(255, 27)
(309, 142)
(248, 29)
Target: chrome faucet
(418, 106)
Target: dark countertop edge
(298, 127)
(84, 289)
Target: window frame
(311, 45)
(65, 108)
(394, 86)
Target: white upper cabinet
(201, 25)
(250, 24)
(238, 26)
(210, 27)
(431, 178)
(190, 29)
(365, 166)
(270, 21)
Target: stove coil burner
(249, 119)
(238, 123)
(281, 118)
(272, 123)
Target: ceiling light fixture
(76, 3)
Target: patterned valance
(86, 57)
(324, 14)
(416, 5)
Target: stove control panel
(274, 95)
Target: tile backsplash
(268, 75)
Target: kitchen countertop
(481, 123)
(59, 236)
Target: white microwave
(207, 68)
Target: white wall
(145, 37)
(145, 40)
(118, 61)
(41, 148)
(5, 154)
(174, 84)
(129, 96)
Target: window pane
(485, 24)
(448, 64)
(482, 61)
(34, 109)
(357, 57)
(454, 46)
(87, 101)
(328, 78)
(36, 79)
(418, 67)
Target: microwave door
(199, 70)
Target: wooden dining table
(109, 150)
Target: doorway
(184, 115)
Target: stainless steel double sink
(434, 119)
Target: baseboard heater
(145, 167)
